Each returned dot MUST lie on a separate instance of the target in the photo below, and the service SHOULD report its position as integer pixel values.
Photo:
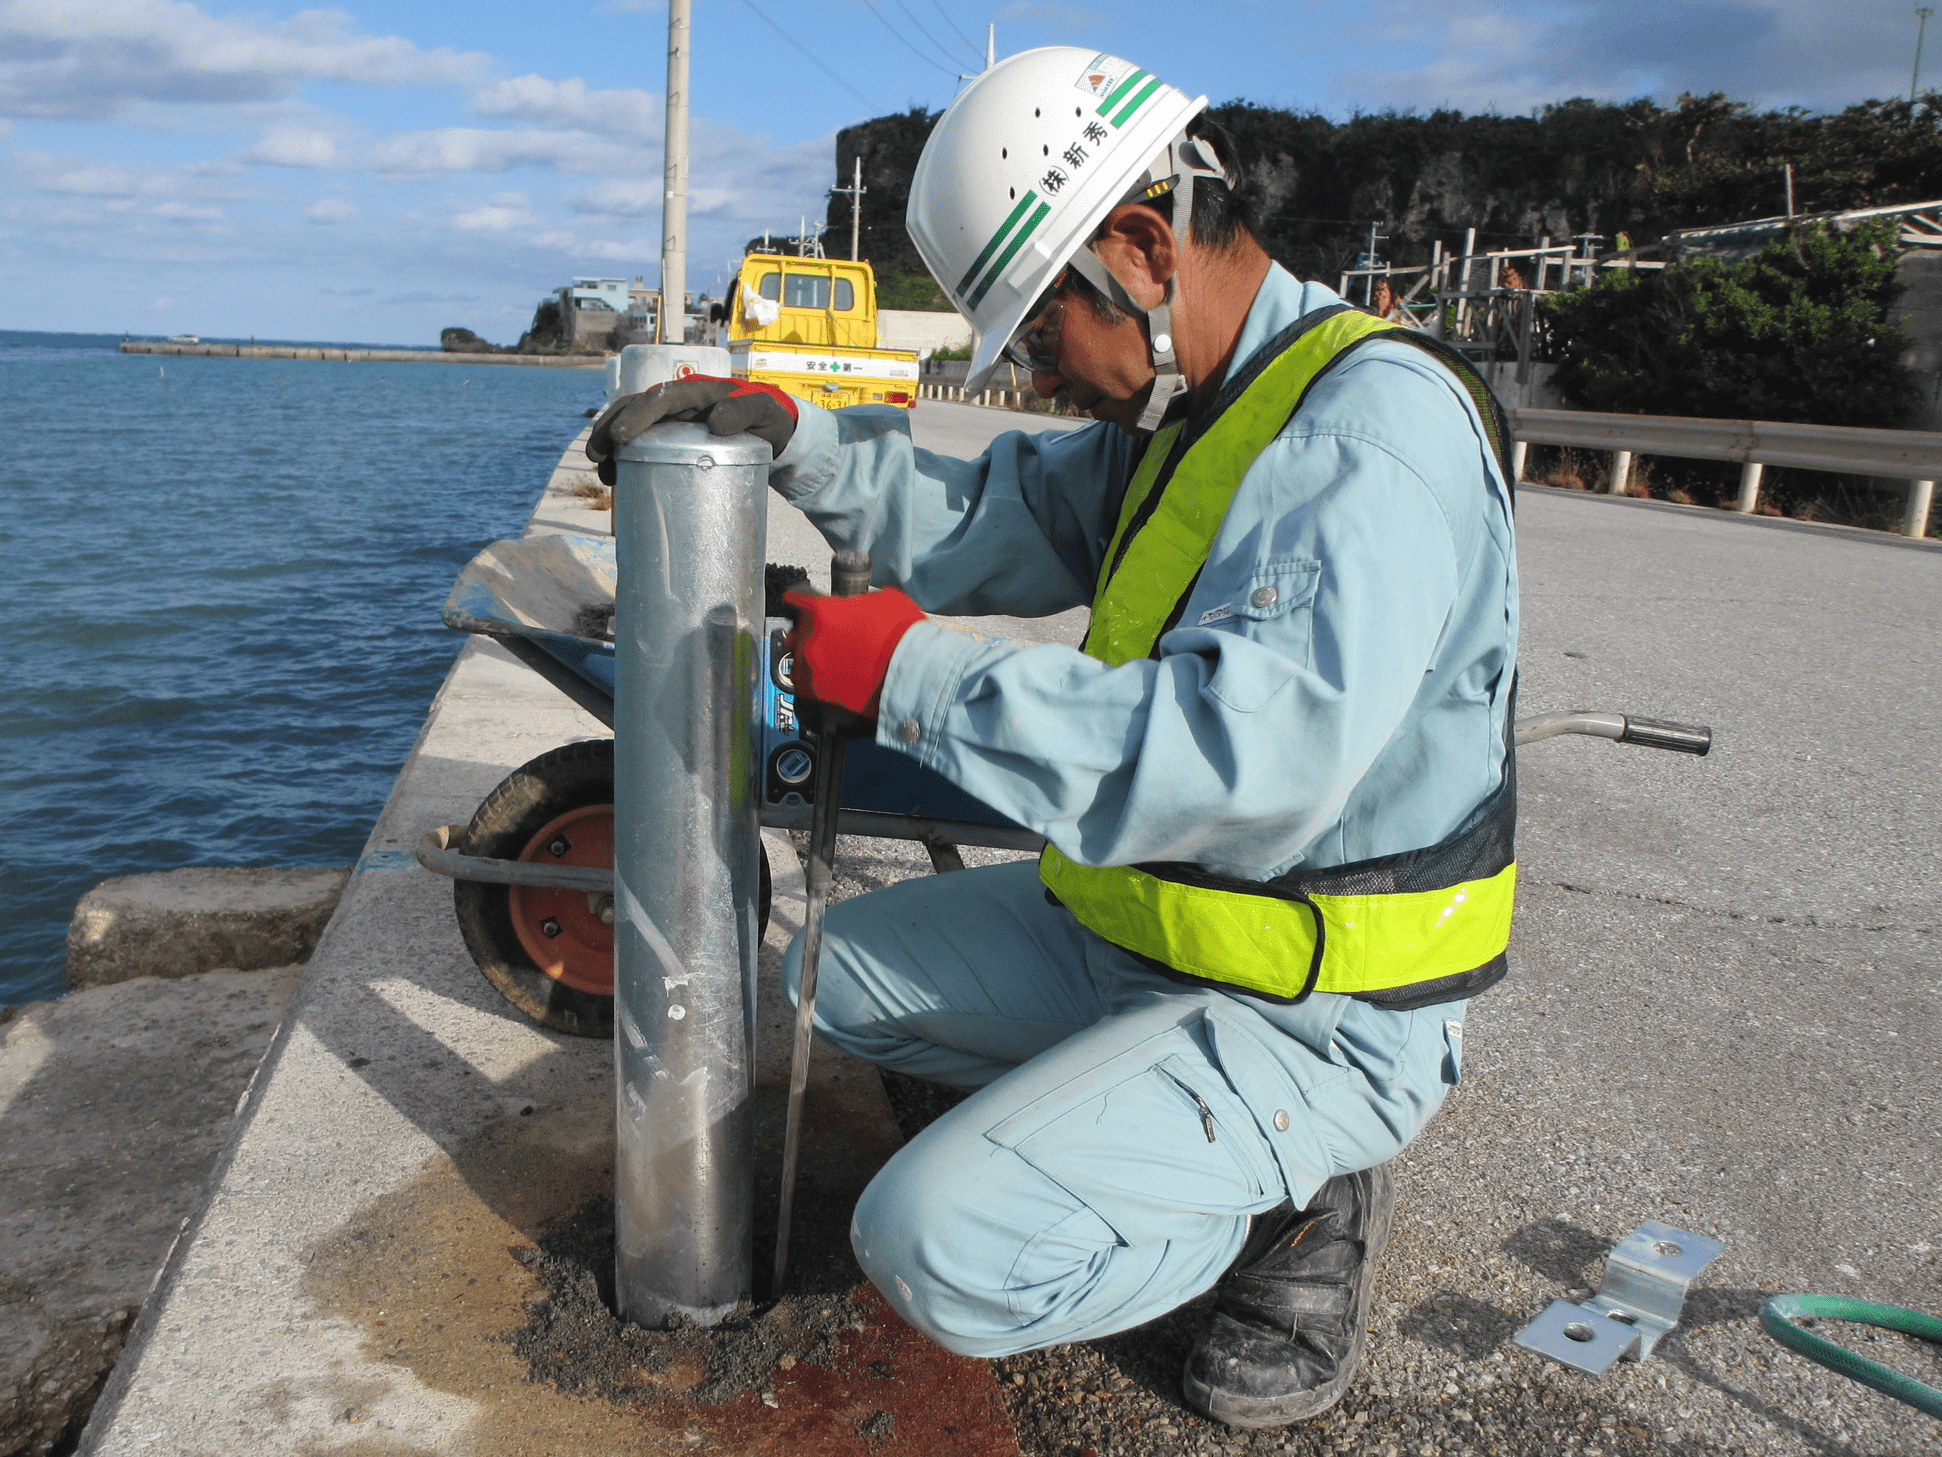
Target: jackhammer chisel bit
(849, 574)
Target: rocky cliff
(1638, 169)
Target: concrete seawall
(405, 1113)
(359, 356)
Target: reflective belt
(1424, 926)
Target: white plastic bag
(759, 311)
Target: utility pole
(1790, 189)
(854, 192)
(672, 322)
(1922, 13)
(1369, 261)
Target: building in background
(592, 308)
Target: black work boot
(1291, 1314)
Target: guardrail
(1911, 455)
(1003, 399)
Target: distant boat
(185, 338)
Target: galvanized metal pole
(672, 321)
(1915, 521)
(1749, 500)
(1621, 473)
(689, 542)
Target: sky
(377, 172)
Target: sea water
(219, 627)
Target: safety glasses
(1035, 347)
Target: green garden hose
(1779, 1314)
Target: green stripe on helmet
(1126, 111)
(998, 237)
(1005, 257)
(1133, 78)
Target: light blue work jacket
(1361, 712)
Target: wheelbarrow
(534, 867)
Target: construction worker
(1275, 782)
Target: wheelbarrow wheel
(550, 952)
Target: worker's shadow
(1563, 1254)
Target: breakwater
(356, 356)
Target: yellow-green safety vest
(1405, 930)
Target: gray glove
(726, 406)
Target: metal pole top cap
(682, 442)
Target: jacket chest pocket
(1275, 607)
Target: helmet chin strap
(1167, 379)
(1174, 170)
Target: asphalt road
(1721, 1012)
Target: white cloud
(297, 147)
(477, 149)
(186, 212)
(332, 210)
(506, 211)
(624, 197)
(88, 178)
(628, 112)
(92, 59)
(1512, 55)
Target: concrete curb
(113, 1100)
(399, 1084)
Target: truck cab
(809, 326)
(805, 301)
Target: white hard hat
(1023, 167)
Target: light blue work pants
(1125, 1125)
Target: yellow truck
(809, 326)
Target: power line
(811, 58)
(969, 43)
(870, 5)
(942, 50)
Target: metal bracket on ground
(1644, 1291)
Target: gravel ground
(1501, 1210)
(574, 1340)
(1721, 1014)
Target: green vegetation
(1580, 166)
(910, 288)
(1638, 169)
(1801, 332)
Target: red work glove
(726, 406)
(842, 647)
